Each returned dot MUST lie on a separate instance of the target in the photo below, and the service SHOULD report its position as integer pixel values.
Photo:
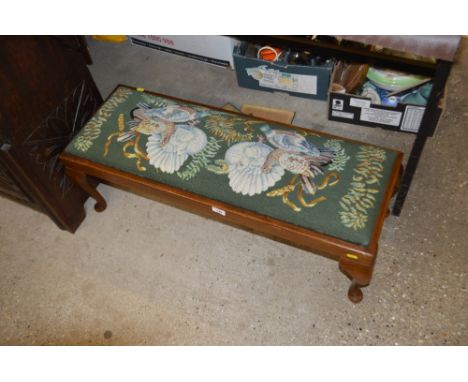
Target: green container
(297, 80)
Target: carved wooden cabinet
(46, 95)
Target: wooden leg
(354, 292)
(81, 179)
(360, 275)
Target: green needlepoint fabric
(325, 184)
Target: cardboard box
(354, 109)
(215, 50)
(297, 80)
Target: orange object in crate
(268, 53)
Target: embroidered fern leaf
(361, 196)
(92, 129)
(340, 159)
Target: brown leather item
(350, 76)
(438, 47)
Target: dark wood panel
(36, 73)
(9, 187)
(47, 95)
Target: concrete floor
(145, 273)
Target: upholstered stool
(320, 192)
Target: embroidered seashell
(170, 157)
(245, 161)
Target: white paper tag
(412, 118)
(383, 117)
(305, 83)
(218, 210)
(275, 79)
(357, 102)
(342, 114)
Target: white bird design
(295, 143)
(170, 156)
(147, 120)
(170, 113)
(245, 165)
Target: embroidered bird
(170, 113)
(147, 120)
(294, 142)
(299, 164)
(148, 127)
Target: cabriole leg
(354, 292)
(360, 275)
(81, 179)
